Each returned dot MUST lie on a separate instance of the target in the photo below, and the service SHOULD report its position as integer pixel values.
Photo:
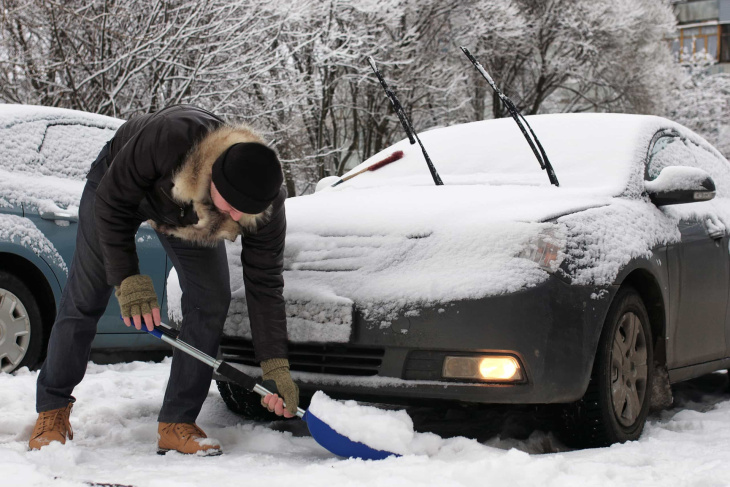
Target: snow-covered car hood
(392, 250)
(421, 210)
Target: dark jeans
(203, 275)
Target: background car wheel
(21, 328)
(244, 403)
(617, 401)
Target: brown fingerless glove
(277, 370)
(136, 296)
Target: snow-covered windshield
(600, 152)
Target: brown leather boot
(51, 426)
(185, 438)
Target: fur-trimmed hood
(191, 186)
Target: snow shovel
(320, 431)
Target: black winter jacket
(159, 170)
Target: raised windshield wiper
(407, 126)
(535, 145)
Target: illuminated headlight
(491, 367)
(546, 249)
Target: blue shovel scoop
(320, 431)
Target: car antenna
(407, 126)
(542, 157)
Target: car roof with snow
(11, 114)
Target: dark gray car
(500, 288)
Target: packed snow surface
(114, 422)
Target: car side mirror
(679, 184)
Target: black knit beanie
(248, 176)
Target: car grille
(320, 358)
(424, 365)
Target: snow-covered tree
(297, 69)
(123, 57)
(570, 55)
(700, 100)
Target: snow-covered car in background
(45, 154)
(498, 287)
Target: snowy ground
(115, 425)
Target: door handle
(59, 216)
(716, 234)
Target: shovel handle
(168, 335)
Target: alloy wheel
(629, 369)
(14, 331)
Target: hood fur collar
(191, 185)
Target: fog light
(498, 368)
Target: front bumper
(553, 329)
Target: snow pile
(677, 177)
(380, 429)
(22, 231)
(45, 154)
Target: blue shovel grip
(155, 332)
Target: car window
(67, 151)
(674, 150)
(19, 145)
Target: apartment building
(703, 25)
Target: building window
(725, 43)
(692, 40)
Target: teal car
(44, 156)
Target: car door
(7, 208)
(67, 150)
(699, 265)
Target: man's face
(223, 205)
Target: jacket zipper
(182, 209)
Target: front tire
(244, 403)
(616, 403)
(21, 326)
